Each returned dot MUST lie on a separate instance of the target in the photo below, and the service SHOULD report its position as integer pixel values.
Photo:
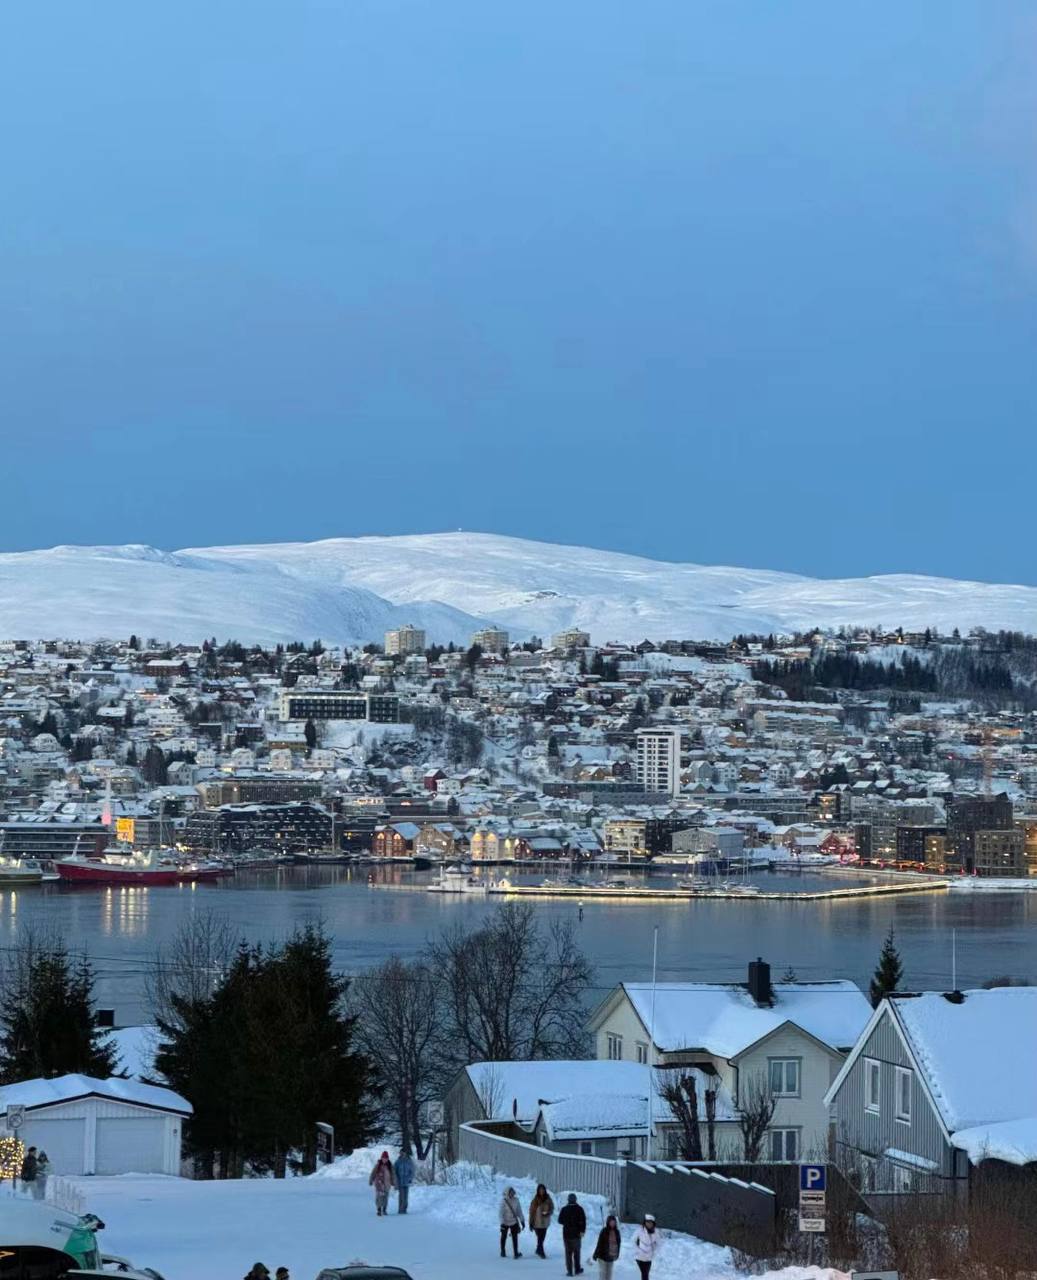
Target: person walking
(404, 1170)
(541, 1211)
(573, 1222)
(383, 1180)
(647, 1243)
(606, 1251)
(258, 1272)
(511, 1221)
(281, 1274)
(42, 1169)
(29, 1169)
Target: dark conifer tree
(888, 972)
(48, 1026)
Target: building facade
(659, 760)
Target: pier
(582, 892)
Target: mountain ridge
(350, 590)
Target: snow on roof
(48, 1093)
(724, 1019)
(519, 1088)
(1014, 1141)
(1000, 1026)
(590, 1114)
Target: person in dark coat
(42, 1169)
(258, 1272)
(573, 1222)
(404, 1170)
(606, 1251)
(28, 1174)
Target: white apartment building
(571, 639)
(659, 759)
(491, 640)
(404, 640)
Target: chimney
(760, 982)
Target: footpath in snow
(216, 1230)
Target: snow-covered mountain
(352, 589)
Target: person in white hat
(647, 1243)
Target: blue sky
(725, 282)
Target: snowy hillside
(352, 589)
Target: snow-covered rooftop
(44, 1093)
(724, 1019)
(977, 1055)
(519, 1088)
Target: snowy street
(216, 1230)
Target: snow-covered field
(216, 1230)
(352, 589)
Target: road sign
(813, 1177)
(434, 1115)
(811, 1198)
(15, 1117)
(325, 1143)
(811, 1224)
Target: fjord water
(122, 928)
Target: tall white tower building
(659, 759)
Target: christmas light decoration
(12, 1153)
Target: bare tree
(756, 1106)
(399, 1028)
(512, 990)
(191, 965)
(683, 1088)
(491, 1089)
(678, 1087)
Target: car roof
(361, 1271)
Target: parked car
(361, 1271)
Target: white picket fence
(59, 1192)
(558, 1172)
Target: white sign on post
(813, 1180)
(15, 1117)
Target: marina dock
(583, 892)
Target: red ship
(147, 867)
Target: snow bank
(1014, 1141)
(212, 1230)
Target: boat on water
(139, 867)
(15, 871)
(457, 880)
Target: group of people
(386, 1176)
(259, 1272)
(573, 1221)
(35, 1167)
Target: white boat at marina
(457, 880)
(15, 871)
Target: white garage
(100, 1126)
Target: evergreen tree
(264, 1057)
(311, 735)
(888, 972)
(48, 1026)
(154, 767)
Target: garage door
(130, 1144)
(61, 1139)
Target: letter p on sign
(812, 1177)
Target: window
(784, 1144)
(783, 1074)
(615, 1046)
(902, 1180)
(904, 1087)
(642, 1051)
(586, 1148)
(872, 1085)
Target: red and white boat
(141, 867)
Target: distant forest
(998, 671)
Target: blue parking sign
(812, 1177)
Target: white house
(100, 1126)
(788, 1038)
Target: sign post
(813, 1185)
(325, 1143)
(15, 1117)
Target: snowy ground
(217, 1230)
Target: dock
(581, 893)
